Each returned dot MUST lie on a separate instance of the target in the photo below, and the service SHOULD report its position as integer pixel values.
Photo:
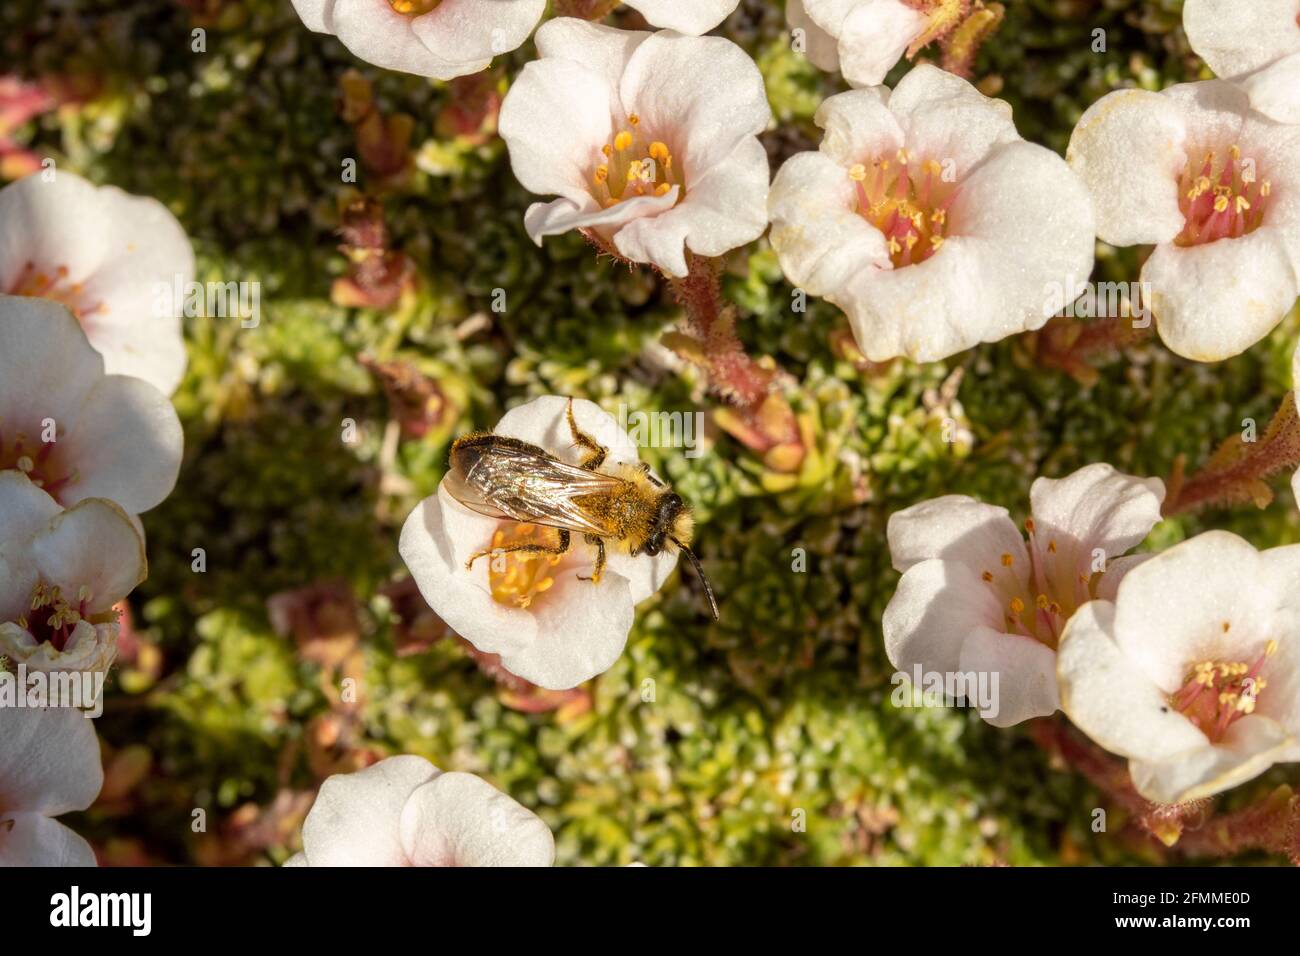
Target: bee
(624, 504)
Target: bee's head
(670, 514)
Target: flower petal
(473, 30)
(1097, 507)
(1272, 90)
(1251, 746)
(1214, 301)
(1236, 38)
(601, 49)
(92, 545)
(315, 14)
(46, 364)
(29, 839)
(561, 216)
(49, 763)
(874, 37)
(356, 820)
(378, 34)
(955, 528)
(1106, 694)
(459, 819)
(1026, 674)
(1128, 148)
(859, 127)
(937, 604)
(819, 46)
(51, 223)
(944, 117)
(695, 17)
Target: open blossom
(1193, 673)
(442, 39)
(103, 254)
(863, 39)
(404, 811)
(928, 220)
(49, 765)
(74, 431)
(1256, 44)
(975, 598)
(650, 141)
(1215, 186)
(550, 626)
(61, 573)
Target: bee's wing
(518, 482)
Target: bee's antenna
(695, 563)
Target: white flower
(1254, 43)
(103, 254)
(442, 39)
(649, 140)
(550, 627)
(1193, 673)
(973, 598)
(863, 39)
(1215, 186)
(928, 220)
(404, 811)
(61, 573)
(74, 431)
(49, 765)
(685, 16)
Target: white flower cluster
(88, 441)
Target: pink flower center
(1222, 197)
(37, 283)
(52, 617)
(908, 200)
(39, 460)
(413, 8)
(1037, 601)
(635, 165)
(1218, 693)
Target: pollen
(1217, 693)
(413, 8)
(1221, 196)
(907, 198)
(39, 460)
(634, 165)
(56, 285)
(517, 578)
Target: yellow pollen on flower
(623, 141)
(1220, 197)
(634, 167)
(659, 152)
(602, 174)
(858, 173)
(634, 119)
(906, 198)
(517, 578)
(1007, 560)
(987, 576)
(1216, 693)
(413, 8)
(1017, 606)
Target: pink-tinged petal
(459, 819)
(1097, 507)
(1235, 38)
(51, 224)
(551, 96)
(1028, 217)
(601, 49)
(49, 763)
(695, 16)
(724, 209)
(151, 349)
(1108, 696)
(672, 83)
(1274, 148)
(1214, 301)
(1208, 598)
(580, 633)
(378, 34)
(955, 528)
(92, 545)
(470, 30)
(1213, 111)
(1107, 587)
(29, 839)
(818, 235)
(1026, 675)
(859, 127)
(943, 117)
(1129, 150)
(315, 14)
(561, 216)
(24, 510)
(874, 37)
(356, 820)
(820, 47)
(1274, 89)
(937, 604)
(127, 444)
(1251, 746)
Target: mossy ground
(770, 738)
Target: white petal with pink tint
(684, 16)
(1255, 44)
(106, 255)
(869, 36)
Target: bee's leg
(645, 470)
(559, 548)
(599, 544)
(597, 451)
